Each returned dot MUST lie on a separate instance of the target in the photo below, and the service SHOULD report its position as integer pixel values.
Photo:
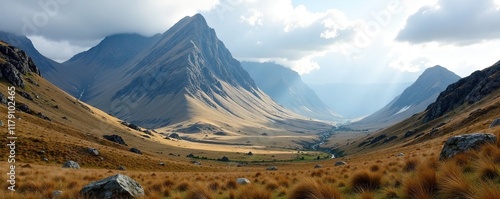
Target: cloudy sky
(326, 41)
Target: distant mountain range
(414, 99)
(357, 100)
(183, 75)
(286, 87)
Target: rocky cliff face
(468, 90)
(14, 63)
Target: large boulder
(495, 122)
(117, 186)
(461, 143)
(71, 164)
(115, 138)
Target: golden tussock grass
(310, 189)
(452, 182)
(366, 181)
(253, 192)
(421, 185)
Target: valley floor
(381, 174)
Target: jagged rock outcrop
(468, 90)
(117, 186)
(461, 143)
(14, 63)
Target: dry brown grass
(365, 181)
(310, 189)
(422, 185)
(453, 184)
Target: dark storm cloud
(459, 22)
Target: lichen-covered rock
(461, 143)
(117, 186)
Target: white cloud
(458, 22)
(254, 18)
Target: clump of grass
(183, 186)
(410, 165)
(199, 192)
(488, 191)
(374, 168)
(486, 169)
(272, 186)
(390, 192)
(252, 192)
(214, 186)
(231, 184)
(364, 194)
(310, 189)
(422, 186)
(366, 181)
(453, 184)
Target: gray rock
(340, 163)
(71, 164)
(134, 150)
(243, 181)
(24, 108)
(45, 159)
(461, 143)
(57, 193)
(273, 168)
(495, 122)
(93, 151)
(161, 164)
(115, 138)
(122, 168)
(318, 166)
(401, 154)
(117, 186)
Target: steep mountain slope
(103, 63)
(470, 105)
(185, 76)
(286, 87)
(414, 99)
(53, 127)
(358, 100)
(48, 67)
